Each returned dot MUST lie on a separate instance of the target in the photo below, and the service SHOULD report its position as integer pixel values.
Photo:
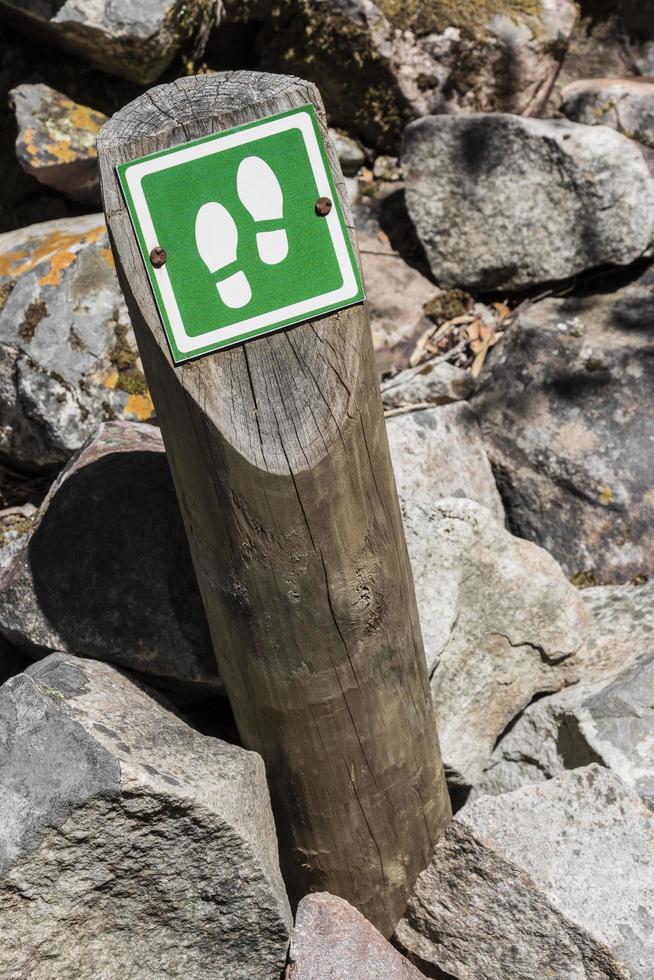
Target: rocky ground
(499, 157)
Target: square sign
(247, 249)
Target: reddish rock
(332, 940)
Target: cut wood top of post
(306, 364)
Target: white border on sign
(349, 287)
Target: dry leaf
(480, 357)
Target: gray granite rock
(504, 203)
(333, 939)
(624, 104)
(350, 153)
(499, 620)
(608, 717)
(105, 570)
(438, 452)
(435, 384)
(136, 39)
(56, 141)
(564, 406)
(397, 61)
(607, 722)
(552, 881)
(130, 845)
(68, 358)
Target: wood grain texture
(279, 455)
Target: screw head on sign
(158, 256)
(323, 206)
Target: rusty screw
(323, 206)
(158, 256)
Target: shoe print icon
(216, 234)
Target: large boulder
(397, 61)
(505, 203)
(137, 40)
(550, 881)
(333, 939)
(438, 452)
(607, 718)
(105, 570)
(500, 622)
(564, 407)
(56, 141)
(68, 358)
(130, 845)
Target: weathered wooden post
(279, 454)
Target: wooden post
(280, 459)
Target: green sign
(247, 250)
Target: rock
(407, 60)
(564, 408)
(132, 846)
(350, 154)
(504, 203)
(611, 723)
(549, 881)
(396, 281)
(499, 621)
(68, 358)
(387, 168)
(438, 452)
(622, 628)
(608, 718)
(333, 939)
(105, 570)
(133, 39)
(436, 384)
(624, 104)
(596, 48)
(56, 141)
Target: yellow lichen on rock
(59, 248)
(472, 17)
(139, 407)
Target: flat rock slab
(505, 203)
(105, 569)
(130, 845)
(552, 881)
(624, 104)
(136, 39)
(564, 407)
(333, 939)
(68, 358)
(56, 141)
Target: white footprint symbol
(216, 237)
(259, 191)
